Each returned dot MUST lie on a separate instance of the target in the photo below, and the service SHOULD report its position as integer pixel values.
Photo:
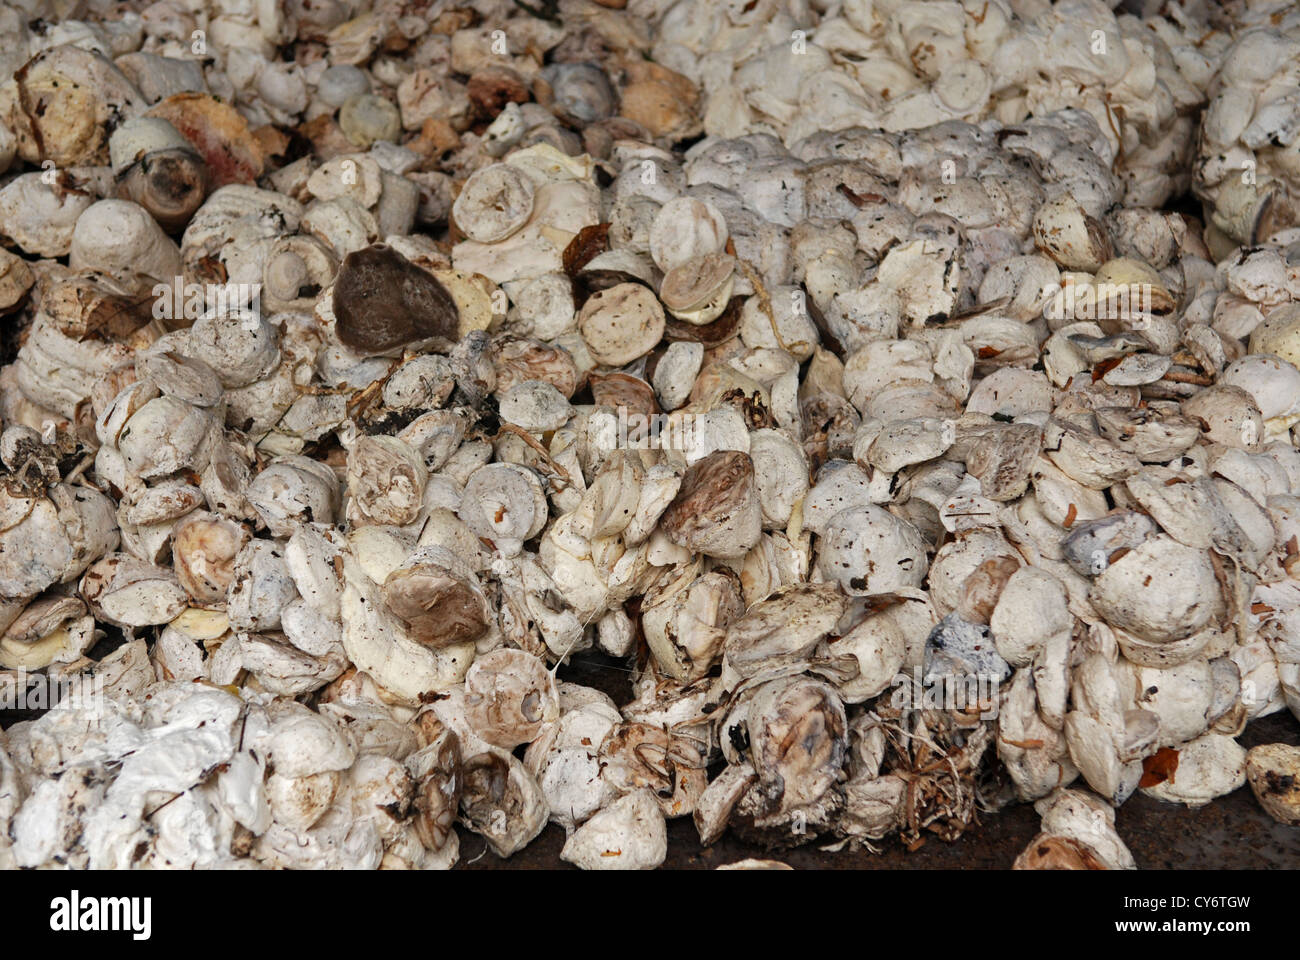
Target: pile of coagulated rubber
(838, 366)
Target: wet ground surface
(1232, 833)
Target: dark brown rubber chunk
(382, 301)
